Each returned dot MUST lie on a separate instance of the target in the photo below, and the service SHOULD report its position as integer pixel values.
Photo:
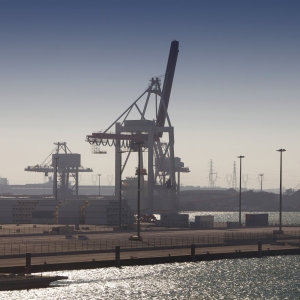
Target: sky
(70, 68)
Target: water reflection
(266, 278)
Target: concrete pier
(193, 252)
(118, 251)
(28, 262)
(259, 243)
(55, 252)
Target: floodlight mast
(280, 193)
(240, 194)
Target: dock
(55, 252)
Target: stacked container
(106, 212)
(17, 211)
(46, 212)
(174, 220)
(203, 222)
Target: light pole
(261, 180)
(280, 195)
(99, 175)
(120, 198)
(56, 158)
(120, 194)
(138, 173)
(139, 193)
(240, 196)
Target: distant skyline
(69, 68)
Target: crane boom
(164, 101)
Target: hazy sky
(69, 68)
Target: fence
(28, 229)
(107, 245)
(240, 237)
(249, 237)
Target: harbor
(149, 150)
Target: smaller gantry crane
(65, 165)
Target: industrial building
(61, 202)
(46, 210)
(4, 186)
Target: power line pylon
(245, 180)
(94, 179)
(260, 179)
(229, 180)
(212, 176)
(110, 179)
(234, 182)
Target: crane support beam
(166, 92)
(117, 137)
(50, 169)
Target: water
(288, 218)
(265, 278)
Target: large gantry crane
(65, 165)
(144, 135)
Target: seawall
(134, 261)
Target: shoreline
(163, 258)
(113, 249)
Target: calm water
(266, 278)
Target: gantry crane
(145, 135)
(65, 165)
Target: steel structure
(68, 166)
(245, 179)
(280, 194)
(146, 133)
(261, 179)
(240, 194)
(234, 181)
(229, 180)
(212, 176)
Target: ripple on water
(266, 278)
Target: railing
(247, 237)
(108, 245)
(29, 229)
